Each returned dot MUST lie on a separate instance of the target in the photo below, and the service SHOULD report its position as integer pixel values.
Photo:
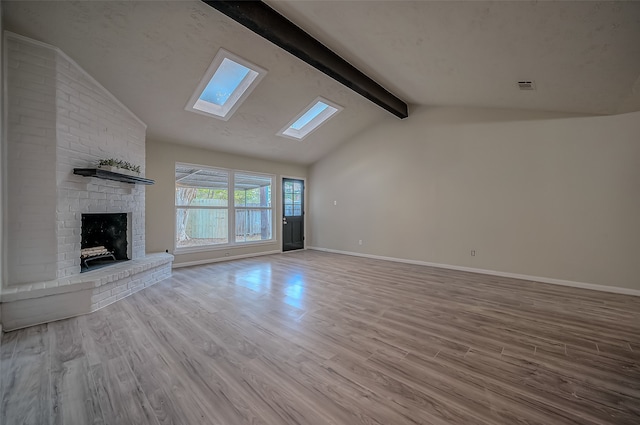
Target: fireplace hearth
(104, 240)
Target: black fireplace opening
(104, 240)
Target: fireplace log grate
(89, 254)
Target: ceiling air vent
(527, 85)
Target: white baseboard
(217, 260)
(582, 285)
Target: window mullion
(232, 208)
(199, 207)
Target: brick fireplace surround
(60, 118)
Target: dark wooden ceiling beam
(266, 22)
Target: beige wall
(160, 207)
(3, 168)
(535, 194)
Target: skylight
(226, 84)
(310, 119)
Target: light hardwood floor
(317, 338)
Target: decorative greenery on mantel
(115, 169)
(118, 164)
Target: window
(226, 84)
(292, 195)
(319, 111)
(252, 199)
(205, 216)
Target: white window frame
(314, 124)
(231, 211)
(239, 95)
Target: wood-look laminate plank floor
(317, 338)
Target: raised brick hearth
(30, 304)
(60, 118)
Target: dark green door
(292, 214)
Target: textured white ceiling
(584, 57)
(152, 55)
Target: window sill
(222, 247)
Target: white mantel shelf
(111, 175)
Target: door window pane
(292, 195)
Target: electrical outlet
(360, 242)
(473, 252)
(335, 202)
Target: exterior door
(292, 214)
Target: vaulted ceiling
(584, 57)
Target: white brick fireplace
(60, 118)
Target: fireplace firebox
(104, 240)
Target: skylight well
(319, 111)
(226, 84)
